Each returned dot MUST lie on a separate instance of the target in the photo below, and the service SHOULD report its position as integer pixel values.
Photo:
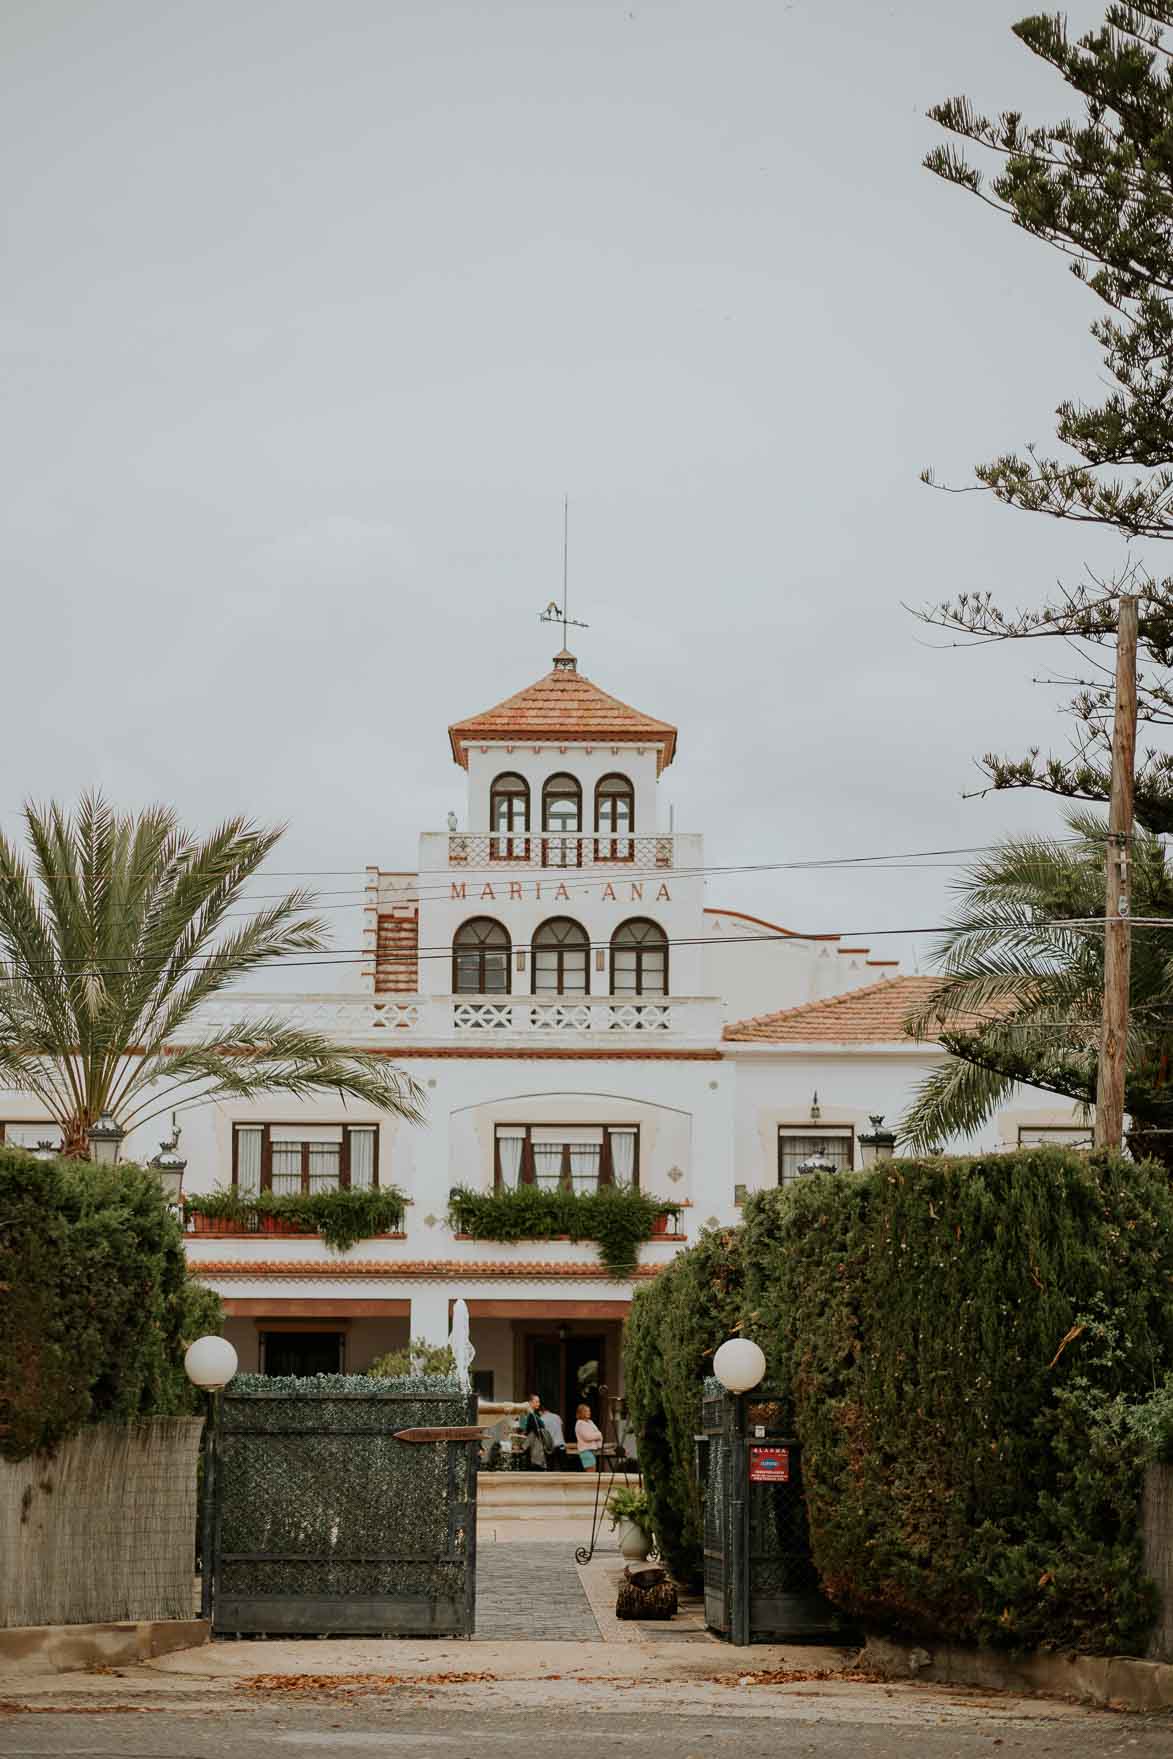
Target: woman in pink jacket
(589, 1438)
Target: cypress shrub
(96, 1307)
(674, 1327)
(964, 1344)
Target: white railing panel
(476, 851)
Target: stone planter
(634, 1543)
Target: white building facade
(575, 1006)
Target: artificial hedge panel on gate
(965, 1344)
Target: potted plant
(631, 1513)
(667, 1220)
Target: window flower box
(212, 1224)
(341, 1217)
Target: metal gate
(324, 1522)
(760, 1579)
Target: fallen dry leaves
(794, 1677)
(346, 1685)
(9, 1707)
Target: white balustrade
(481, 851)
(369, 1022)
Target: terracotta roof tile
(564, 705)
(874, 1014)
(468, 1270)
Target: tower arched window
(561, 822)
(639, 959)
(614, 819)
(509, 817)
(480, 958)
(562, 804)
(561, 955)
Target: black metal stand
(613, 1453)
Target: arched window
(614, 819)
(561, 952)
(562, 804)
(480, 958)
(615, 806)
(509, 818)
(639, 959)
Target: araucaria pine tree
(1098, 189)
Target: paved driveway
(532, 1589)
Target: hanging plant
(342, 1218)
(616, 1217)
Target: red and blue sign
(769, 1465)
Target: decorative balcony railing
(525, 1015)
(368, 1022)
(559, 849)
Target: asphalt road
(753, 1728)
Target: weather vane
(555, 613)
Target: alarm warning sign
(769, 1465)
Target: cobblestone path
(531, 1588)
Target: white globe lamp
(739, 1365)
(210, 1363)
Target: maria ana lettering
(516, 891)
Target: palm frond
(115, 934)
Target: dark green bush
(964, 1344)
(674, 1328)
(342, 1218)
(617, 1217)
(96, 1307)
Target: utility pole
(1117, 927)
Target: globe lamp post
(209, 1364)
(739, 1365)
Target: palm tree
(113, 935)
(1022, 985)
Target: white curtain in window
(547, 1164)
(623, 1156)
(796, 1148)
(248, 1161)
(362, 1159)
(509, 1147)
(584, 1164)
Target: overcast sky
(311, 312)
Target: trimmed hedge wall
(964, 1344)
(96, 1307)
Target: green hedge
(342, 1218)
(96, 1307)
(965, 1345)
(617, 1217)
(674, 1327)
